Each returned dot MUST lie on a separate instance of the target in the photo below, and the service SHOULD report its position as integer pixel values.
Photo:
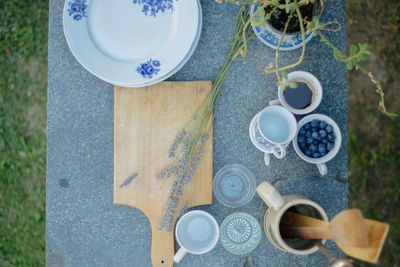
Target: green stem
(277, 49)
(363, 70)
(300, 18)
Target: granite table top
(85, 228)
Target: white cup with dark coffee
(303, 99)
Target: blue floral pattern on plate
(150, 68)
(152, 7)
(271, 37)
(77, 9)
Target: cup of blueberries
(317, 140)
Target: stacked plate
(132, 43)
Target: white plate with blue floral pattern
(130, 42)
(188, 56)
(271, 36)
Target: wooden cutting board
(146, 120)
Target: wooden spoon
(377, 234)
(348, 228)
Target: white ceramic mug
(314, 85)
(277, 126)
(320, 162)
(197, 232)
(277, 206)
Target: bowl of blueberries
(317, 140)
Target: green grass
(374, 141)
(374, 145)
(23, 83)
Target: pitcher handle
(270, 195)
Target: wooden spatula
(348, 228)
(377, 234)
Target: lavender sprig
(128, 181)
(188, 150)
(183, 210)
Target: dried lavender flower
(128, 181)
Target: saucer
(240, 233)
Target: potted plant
(297, 15)
(269, 23)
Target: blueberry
(302, 131)
(315, 123)
(309, 140)
(308, 152)
(301, 139)
(322, 148)
(313, 148)
(314, 135)
(329, 128)
(315, 142)
(322, 154)
(330, 146)
(322, 125)
(302, 145)
(324, 140)
(308, 134)
(316, 155)
(322, 133)
(307, 126)
(331, 137)
(313, 129)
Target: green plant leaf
(349, 65)
(363, 47)
(292, 84)
(262, 12)
(263, 24)
(353, 50)
(364, 56)
(284, 75)
(337, 55)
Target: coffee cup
(197, 232)
(301, 100)
(320, 162)
(277, 206)
(272, 130)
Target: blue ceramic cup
(197, 232)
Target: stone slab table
(85, 228)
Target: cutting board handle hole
(162, 261)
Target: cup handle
(270, 195)
(179, 255)
(274, 102)
(323, 170)
(267, 159)
(276, 153)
